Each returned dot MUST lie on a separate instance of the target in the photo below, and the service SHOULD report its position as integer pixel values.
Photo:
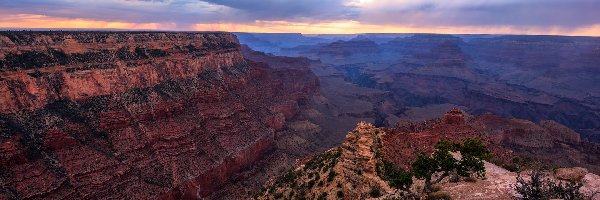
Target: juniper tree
(443, 164)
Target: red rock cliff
(134, 115)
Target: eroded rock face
(402, 144)
(134, 115)
(352, 170)
(546, 141)
(349, 171)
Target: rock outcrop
(546, 141)
(349, 171)
(135, 115)
(570, 174)
(352, 170)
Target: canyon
(135, 115)
(203, 115)
(517, 76)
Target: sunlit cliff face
(311, 16)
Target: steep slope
(527, 77)
(348, 171)
(546, 141)
(352, 170)
(135, 115)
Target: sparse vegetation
(327, 159)
(540, 187)
(375, 192)
(278, 195)
(395, 176)
(297, 184)
(318, 172)
(472, 151)
(288, 177)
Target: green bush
(474, 148)
(396, 177)
(473, 152)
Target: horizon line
(207, 31)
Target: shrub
(540, 187)
(288, 177)
(474, 148)
(319, 161)
(396, 177)
(278, 195)
(375, 192)
(323, 196)
(330, 176)
(340, 194)
(311, 183)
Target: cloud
(182, 12)
(42, 21)
(524, 15)
(572, 13)
(291, 10)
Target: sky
(547, 17)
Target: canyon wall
(135, 115)
(517, 76)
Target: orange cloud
(331, 27)
(42, 21)
(348, 27)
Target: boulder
(570, 174)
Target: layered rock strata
(134, 115)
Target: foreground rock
(350, 171)
(570, 174)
